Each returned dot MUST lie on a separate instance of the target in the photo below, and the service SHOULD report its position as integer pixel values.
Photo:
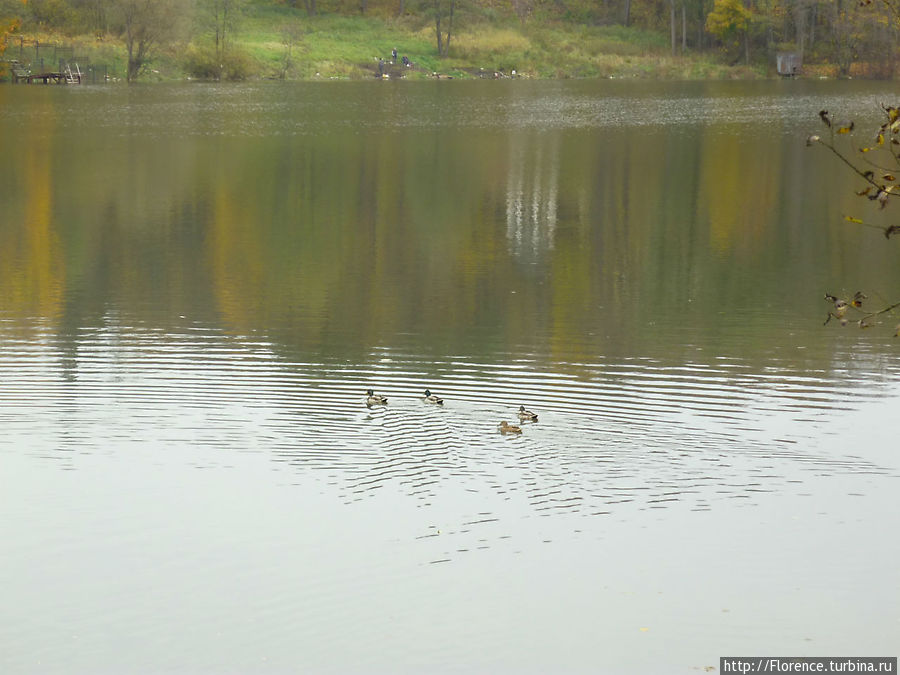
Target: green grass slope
(275, 41)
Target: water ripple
(610, 436)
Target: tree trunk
(800, 22)
(137, 54)
(216, 19)
(747, 45)
(224, 27)
(672, 23)
(812, 26)
(449, 28)
(132, 69)
(443, 36)
(437, 29)
(700, 31)
(627, 13)
(683, 28)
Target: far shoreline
(498, 55)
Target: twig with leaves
(841, 306)
(882, 185)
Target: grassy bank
(335, 46)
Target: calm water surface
(198, 284)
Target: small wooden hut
(788, 63)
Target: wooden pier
(34, 62)
(47, 78)
(65, 75)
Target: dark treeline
(855, 37)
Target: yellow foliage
(7, 26)
(728, 19)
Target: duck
(527, 415)
(431, 398)
(375, 399)
(509, 428)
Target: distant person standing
(394, 54)
(381, 66)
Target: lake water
(198, 283)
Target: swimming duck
(374, 399)
(527, 415)
(431, 398)
(509, 428)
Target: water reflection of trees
(32, 260)
(532, 193)
(343, 243)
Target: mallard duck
(527, 415)
(374, 399)
(431, 398)
(509, 428)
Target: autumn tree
(94, 15)
(804, 16)
(846, 36)
(55, 14)
(217, 55)
(9, 21)
(864, 34)
(145, 25)
(7, 26)
(291, 35)
(729, 21)
(443, 12)
(877, 167)
(222, 18)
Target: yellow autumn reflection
(740, 181)
(32, 273)
(237, 268)
(297, 214)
